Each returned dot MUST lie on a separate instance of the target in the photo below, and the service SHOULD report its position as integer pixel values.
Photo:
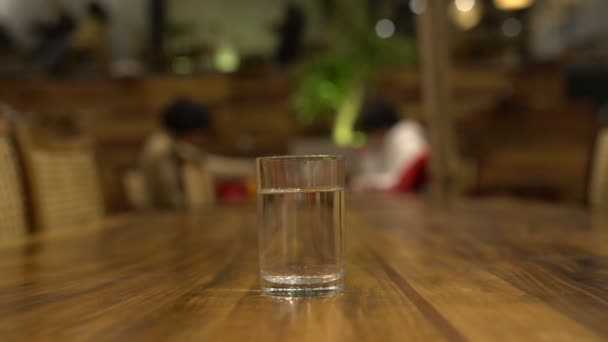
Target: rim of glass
(302, 157)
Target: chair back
(13, 221)
(598, 185)
(63, 181)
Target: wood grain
(474, 271)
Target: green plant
(333, 82)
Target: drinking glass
(301, 227)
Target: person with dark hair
(291, 35)
(176, 170)
(96, 11)
(376, 117)
(395, 154)
(55, 38)
(90, 37)
(187, 121)
(6, 41)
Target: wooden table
(481, 271)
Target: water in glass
(301, 241)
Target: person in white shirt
(394, 156)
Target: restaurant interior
(507, 99)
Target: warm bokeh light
(465, 20)
(464, 5)
(510, 5)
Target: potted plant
(334, 81)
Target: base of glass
(302, 286)
(303, 291)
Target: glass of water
(301, 227)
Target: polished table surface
(482, 271)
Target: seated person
(174, 165)
(89, 39)
(394, 156)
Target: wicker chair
(12, 207)
(598, 185)
(63, 181)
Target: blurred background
(512, 93)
